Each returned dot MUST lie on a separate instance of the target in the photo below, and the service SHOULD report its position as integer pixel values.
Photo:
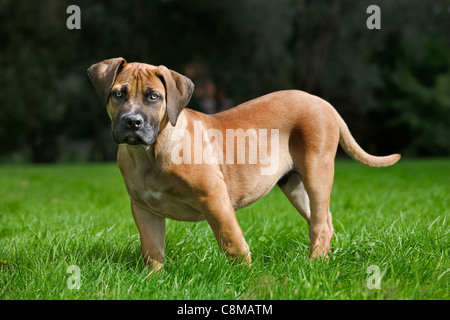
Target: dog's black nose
(133, 121)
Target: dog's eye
(118, 94)
(154, 96)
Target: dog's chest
(159, 195)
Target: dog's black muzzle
(133, 129)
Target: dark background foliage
(391, 85)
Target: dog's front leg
(220, 215)
(152, 230)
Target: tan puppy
(185, 165)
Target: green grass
(52, 217)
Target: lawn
(392, 220)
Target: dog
(170, 175)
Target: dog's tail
(352, 148)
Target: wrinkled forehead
(138, 76)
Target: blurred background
(392, 85)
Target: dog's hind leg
(294, 189)
(318, 175)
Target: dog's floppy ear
(179, 90)
(103, 75)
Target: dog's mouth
(133, 139)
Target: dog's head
(139, 98)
